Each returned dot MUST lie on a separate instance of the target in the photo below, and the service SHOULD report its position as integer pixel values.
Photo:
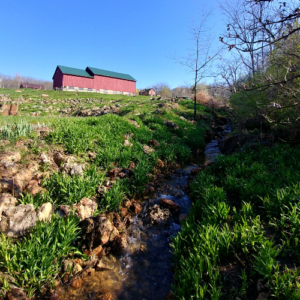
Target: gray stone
(18, 220)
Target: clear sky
(126, 36)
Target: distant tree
(160, 87)
(199, 60)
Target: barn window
(81, 89)
(121, 93)
(115, 92)
(90, 90)
(71, 87)
(104, 91)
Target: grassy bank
(241, 236)
(103, 136)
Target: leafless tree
(202, 55)
(160, 87)
(13, 82)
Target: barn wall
(114, 84)
(58, 79)
(77, 81)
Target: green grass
(245, 212)
(34, 261)
(29, 260)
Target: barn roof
(101, 72)
(73, 71)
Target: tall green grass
(246, 209)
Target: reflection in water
(143, 272)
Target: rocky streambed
(140, 266)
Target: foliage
(35, 260)
(238, 201)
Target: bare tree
(160, 87)
(201, 56)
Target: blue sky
(129, 36)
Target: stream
(145, 270)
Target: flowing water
(144, 271)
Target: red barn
(93, 80)
(148, 92)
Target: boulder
(103, 229)
(45, 211)
(169, 204)
(106, 263)
(136, 207)
(17, 184)
(58, 158)
(120, 243)
(73, 169)
(65, 209)
(16, 294)
(6, 201)
(33, 188)
(18, 220)
(45, 159)
(157, 215)
(10, 157)
(85, 208)
(8, 169)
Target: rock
(172, 125)
(65, 209)
(17, 184)
(10, 157)
(127, 144)
(153, 143)
(6, 201)
(103, 229)
(73, 169)
(169, 204)
(113, 234)
(126, 203)
(158, 215)
(18, 220)
(131, 165)
(148, 149)
(97, 252)
(45, 95)
(85, 208)
(33, 188)
(114, 172)
(58, 158)
(136, 207)
(159, 111)
(134, 123)
(106, 263)
(120, 243)
(16, 294)
(183, 118)
(123, 211)
(45, 159)
(160, 163)
(76, 283)
(68, 265)
(92, 155)
(76, 269)
(44, 212)
(8, 169)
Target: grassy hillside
(100, 144)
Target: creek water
(144, 271)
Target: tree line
(13, 82)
